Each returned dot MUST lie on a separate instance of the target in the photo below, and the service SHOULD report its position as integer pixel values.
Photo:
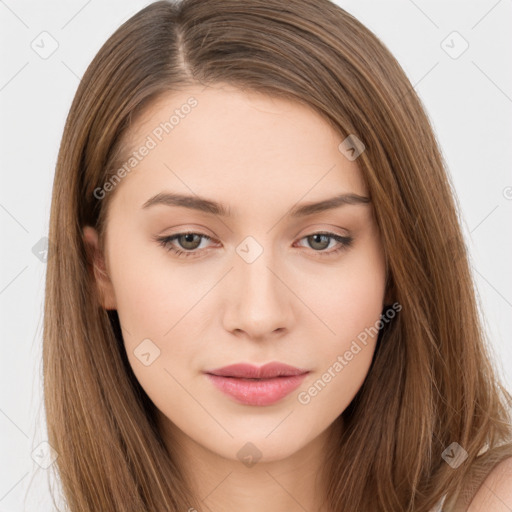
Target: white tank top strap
(439, 505)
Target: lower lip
(257, 392)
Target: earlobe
(98, 269)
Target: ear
(98, 268)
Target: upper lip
(249, 371)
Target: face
(215, 256)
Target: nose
(259, 299)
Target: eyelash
(165, 241)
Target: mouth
(257, 386)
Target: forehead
(219, 141)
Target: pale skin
(495, 494)
(260, 157)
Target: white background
(469, 100)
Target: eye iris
(187, 237)
(314, 238)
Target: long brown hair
(431, 382)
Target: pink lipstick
(252, 385)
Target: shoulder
(495, 493)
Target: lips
(252, 385)
(248, 371)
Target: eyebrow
(212, 207)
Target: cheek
(155, 304)
(159, 299)
(351, 304)
(152, 293)
(344, 357)
(351, 297)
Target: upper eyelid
(311, 231)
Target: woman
(201, 351)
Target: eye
(322, 240)
(191, 243)
(188, 241)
